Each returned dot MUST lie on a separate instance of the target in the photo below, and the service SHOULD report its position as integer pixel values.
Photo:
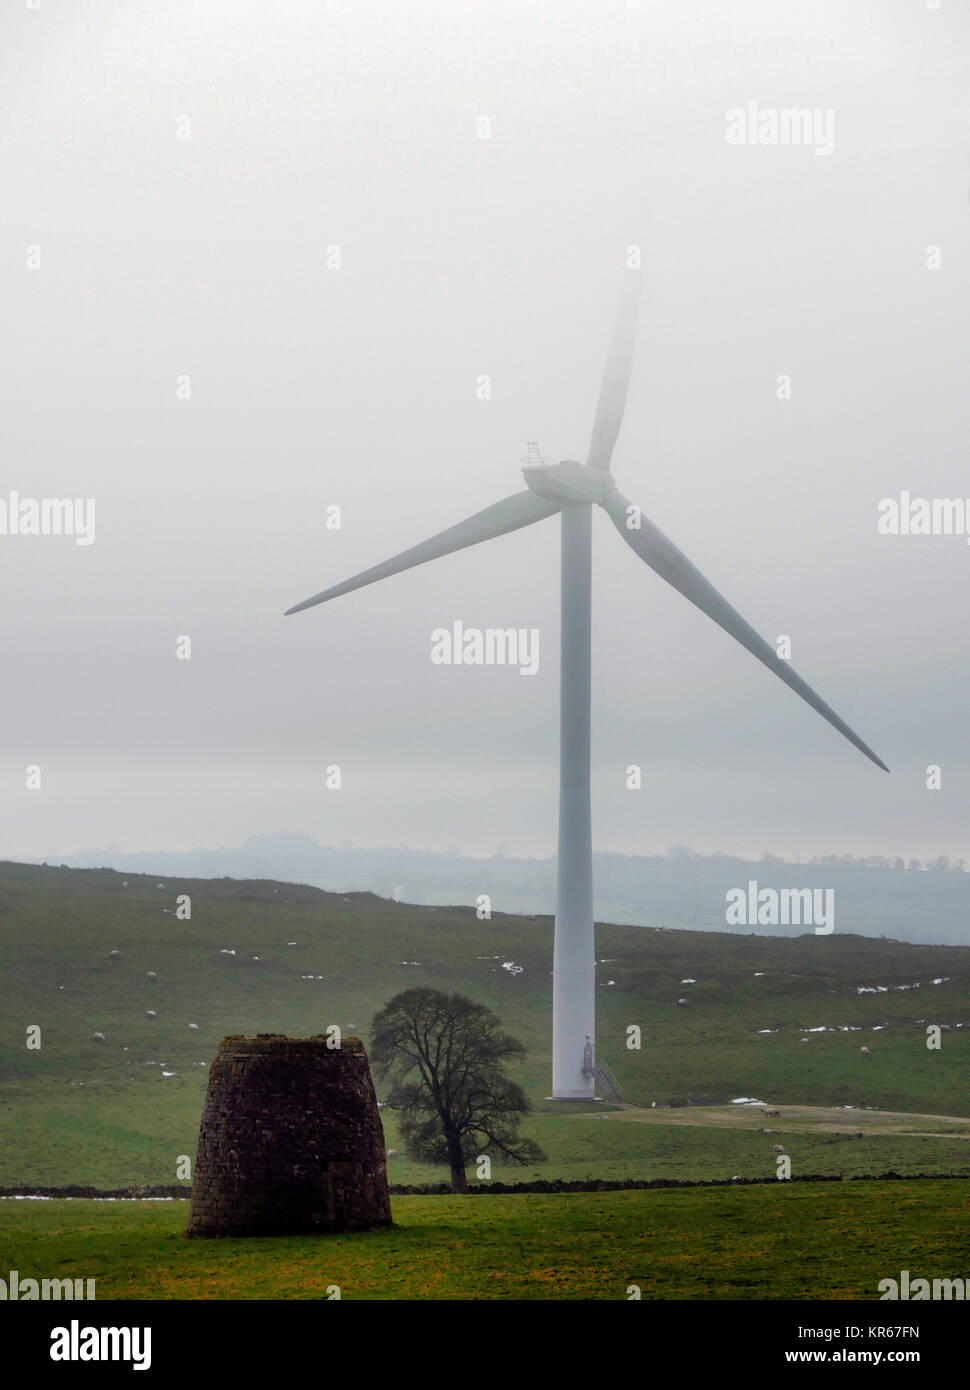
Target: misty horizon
(251, 300)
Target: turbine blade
(616, 377)
(510, 514)
(672, 564)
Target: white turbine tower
(571, 489)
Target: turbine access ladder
(604, 1076)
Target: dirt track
(818, 1119)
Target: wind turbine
(571, 489)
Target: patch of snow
(31, 1197)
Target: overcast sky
(359, 127)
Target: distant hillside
(675, 890)
(259, 956)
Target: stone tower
(291, 1141)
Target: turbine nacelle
(569, 481)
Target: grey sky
(461, 256)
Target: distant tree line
(942, 864)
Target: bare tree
(444, 1056)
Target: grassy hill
(924, 904)
(124, 1110)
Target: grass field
(125, 1110)
(783, 1241)
(267, 957)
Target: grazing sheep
(865, 1051)
(682, 1003)
(152, 975)
(114, 955)
(193, 1027)
(392, 1153)
(150, 1013)
(99, 1037)
(778, 1148)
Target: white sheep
(865, 1051)
(778, 1148)
(150, 1013)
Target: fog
(256, 262)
